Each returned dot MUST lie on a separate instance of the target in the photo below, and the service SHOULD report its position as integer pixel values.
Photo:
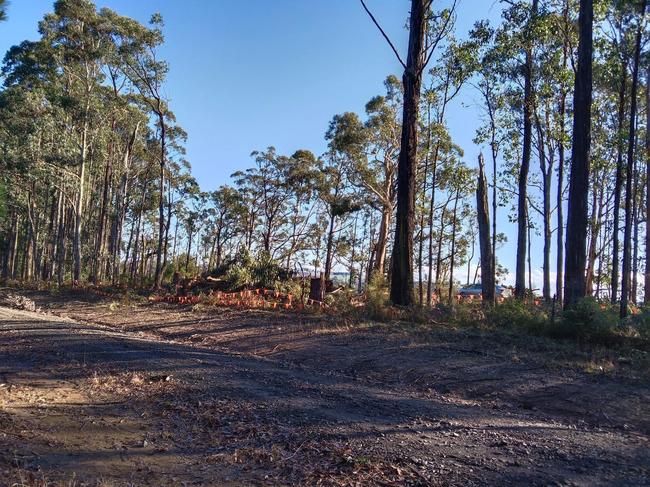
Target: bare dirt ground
(95, 392)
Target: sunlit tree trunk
(401, 290)
(483, 215)
(161, 203)
(522, 230)
(452, 256)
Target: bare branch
(383, 33)
(443, 32)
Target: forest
(392, 225)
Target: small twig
(295, 452)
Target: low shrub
(640, 323)
(244, 271)
(589, 320)
(377, 306)
(464, 314)
(519, 315)
(340, 304)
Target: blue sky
(246, 75)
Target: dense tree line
(95, 186)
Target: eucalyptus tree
(564, 25)
(77, 41)
(376, 172)
(225, 222)
(147, 73)
(369, 151)
(303, 178)
(494, 131)
(518, 38)
(618, 42)
(445, 80)
(574, 280)
(345, 140)
(550, 88)
(627, 239)
(426, 31)
(447, 155)
(646, 295)
(460, 186)
(76, 136)
(275, 187)
(194, 220)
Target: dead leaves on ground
(247, 436)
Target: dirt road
(96, 406)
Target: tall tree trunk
(635, 237)
(574, 280)
(432, 203)
(627, 236)
(101, 224)
(422, 213)
(189, 251)
(441, 234)
(453, 247)
(11, 244)
(62, 248)
(353, 255)
(49, 258)
(161, 204)
(382, 240)
(330, 248)
(592, 252)
(401, 289)
(33, 232)
(168, 224)
(546, 169)
(483, 215)
(618, 182)
(76, 241)
(529, 226)
(522, 230)
(493, 277)
(121, 204)
(646, 290)
(559, 278)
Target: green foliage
(3, 201)
(265, 271)
(341, 304)
(463, 314)
(589, 320)
(377, 304)
(518, 315)
(244, 271)
(639, 324)
(179, 265)
(237, 271)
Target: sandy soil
(95, 392)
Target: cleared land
(97, 392)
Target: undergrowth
(588, 321)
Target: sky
(248, 75)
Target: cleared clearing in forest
(150, 395)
